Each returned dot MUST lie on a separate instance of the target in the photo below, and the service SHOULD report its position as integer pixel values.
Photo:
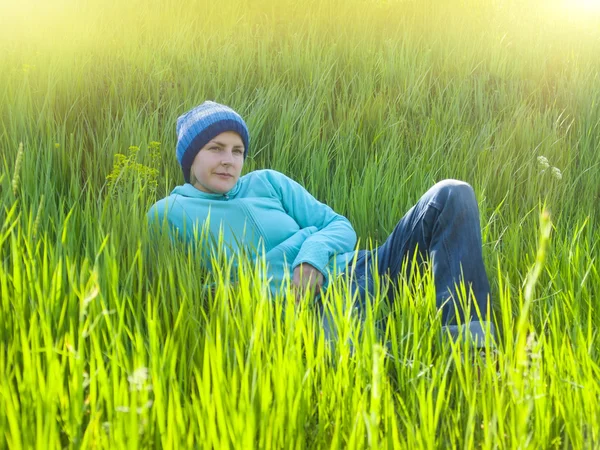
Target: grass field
(106, 337)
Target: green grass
(107, 338)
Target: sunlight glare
(584, 6)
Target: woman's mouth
(225, 175)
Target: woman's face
(223, 154)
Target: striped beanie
(199, 125)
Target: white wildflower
(140, 410)
(147, 405)
(543, 162)
(556, 173)
(137, 380)
(86, 380)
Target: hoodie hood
(188, 190)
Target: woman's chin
(222, 186)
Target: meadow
(107, 337)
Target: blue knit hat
(199, 125)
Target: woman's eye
(218, 149)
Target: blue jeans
(442, 228)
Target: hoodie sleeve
(335, 233)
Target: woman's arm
(335, 233)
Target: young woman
(268, 214)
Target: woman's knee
(455, 191)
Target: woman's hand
(306, 278)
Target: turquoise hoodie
(264, 208)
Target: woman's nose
(228, 159)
